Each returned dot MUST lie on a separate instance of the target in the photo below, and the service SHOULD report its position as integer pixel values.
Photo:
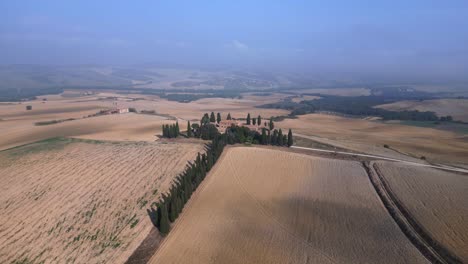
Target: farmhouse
(116, 111)
(225, 124)
(254, 127)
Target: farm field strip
(268, 206)
(404, 220)
(434, 202)
(365, 136)
(445, 167)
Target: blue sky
(374, 35)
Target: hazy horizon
(417, 38)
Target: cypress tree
(229, 116)
(274, 138)
(280, 137)
(177, 129)
(212, 117)
(290, 138)
(264, 137)
(254, 121)
(271, 125)
(205, 119)
(164, 131)
(248, 119)
(164, 221)
(259, 120)
(189, 129)
(218, 117)
(172, 211)
(179, 206)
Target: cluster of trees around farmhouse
(171, 131)
(171, 204)
(357, 105)
(207, 130)
(240, 134)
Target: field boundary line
(383, 158)
(192, 199)
(415, 233)
(270, 216)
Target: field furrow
(82, 202)
(269, 206)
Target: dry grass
(69, 201)
(270, 206)
(457, 108)
(336, 91)
(304, 98)
(110, 127)
(437, 199)
(17, 124)
(370, 137)
(239, 108)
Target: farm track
(448, 168)
(420, 238)
(276, 217)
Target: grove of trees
(171, 131)
(172, 203)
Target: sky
(380, 36)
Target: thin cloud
(239, 45)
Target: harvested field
(436, 199)
(370, 137)
(457, 108)
(304, 98)
(79, 201)
(335, 91)
(239, 108)
(269, 206)
(18, 124)
(108, 127)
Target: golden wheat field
(370, 136)
(129, 126)
(82, 201)
(18, 125)
(270, 206)
(437, 199)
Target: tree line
(356, 106)
(207, 130)
(171, 205)
(241, 134)
(171, 131)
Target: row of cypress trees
(254, 121)
(171, 205)
(171, 131)
(241, 134)
(276, 138)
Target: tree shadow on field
(344, 233)
(358, 233)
